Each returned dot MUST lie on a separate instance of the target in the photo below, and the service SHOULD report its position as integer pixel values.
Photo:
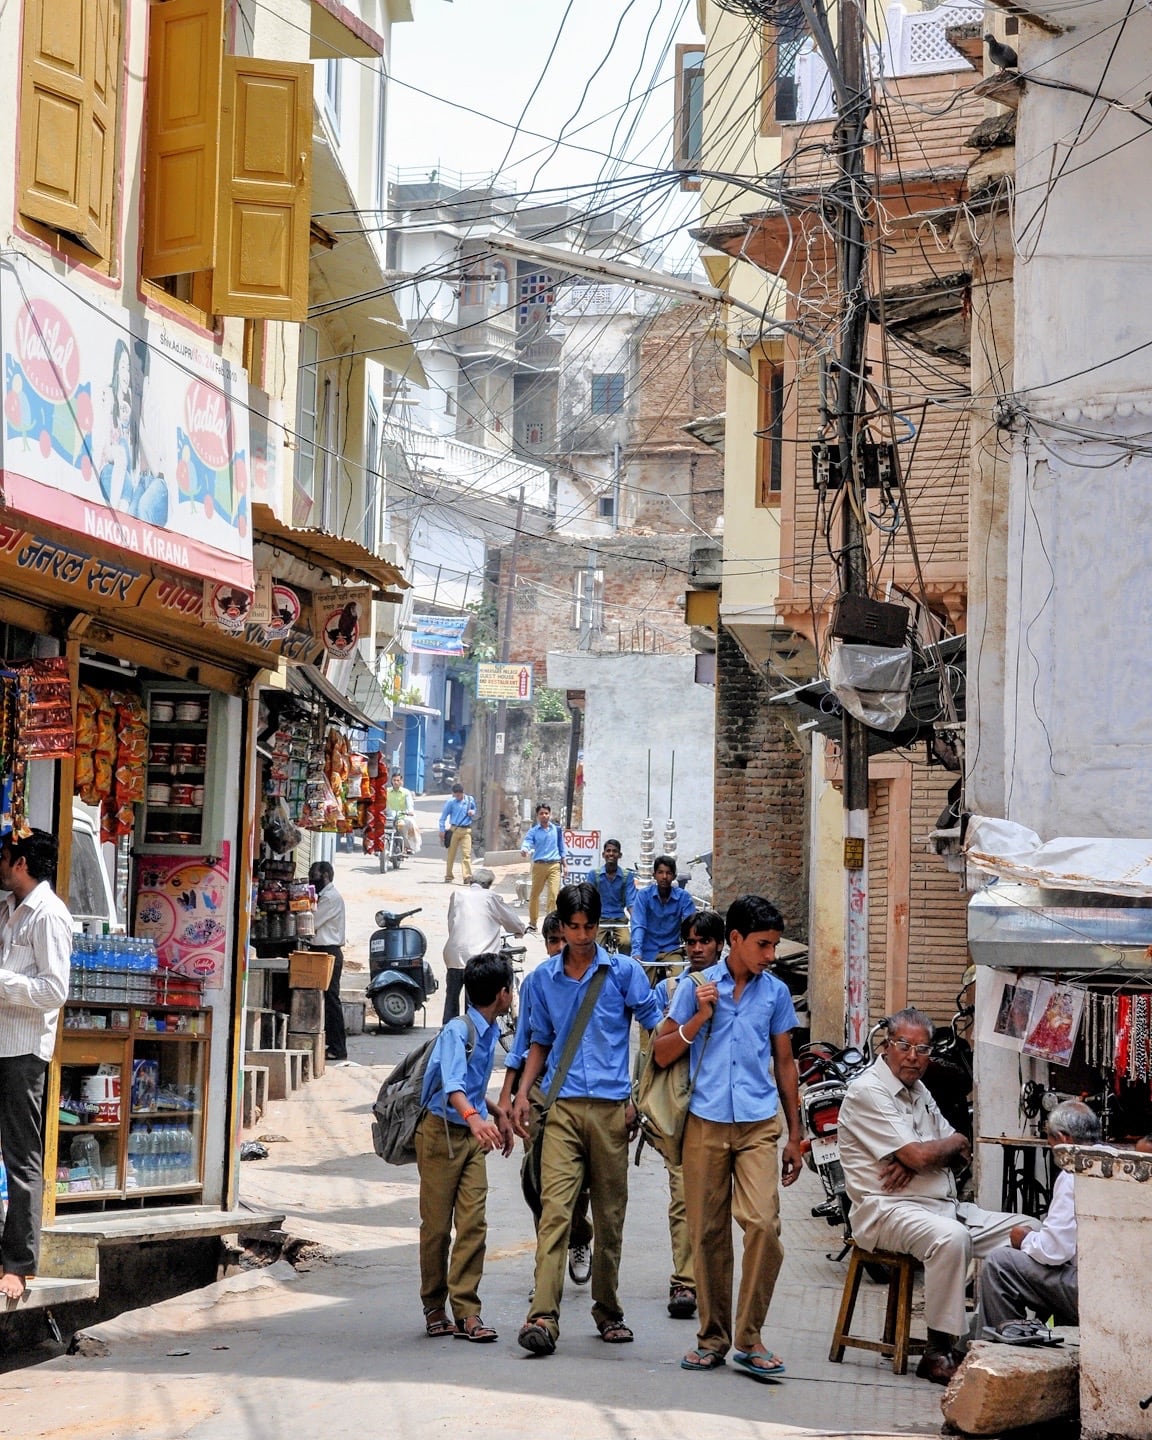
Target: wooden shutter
(56, 119)
(182, 118)
(264, 206)
(104, 19)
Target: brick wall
(760, 787)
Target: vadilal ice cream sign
(122, 429)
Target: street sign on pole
(498, 681)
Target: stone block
(312, 1047)
(353, 1017)
(307, 1013)
(285, 1070)
(1007, 1387)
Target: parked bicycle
(506, 1024)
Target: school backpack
(398, 1107)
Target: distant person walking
(545, 844)
(477, 919)
(456, 831)
(330, 936)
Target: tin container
(183, 754)
(163, 711)
(198, 795)
(189, 712)
(159, 794)
(160, 754)
(182, 795)
(201, 754)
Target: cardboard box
(310, 969)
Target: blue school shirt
(599, 1069)
(450, 1068)
(734, 1079)
(458, 814)
(516, 1056)
(546, 843)
(656, 925)
(616, 892)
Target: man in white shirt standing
(330, 936)
(35, 956)
(476, 921)
(1037, 1270)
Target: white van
(90, 895)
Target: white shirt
(329, 917)
(35, 959)
(1055, 1242)
(476, 920)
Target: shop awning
(310, 676)
(333, 554)
(349, 291)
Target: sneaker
(530, 930)
(580, 1264)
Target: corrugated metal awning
(333, 554)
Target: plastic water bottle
(133, 1176)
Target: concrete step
(47, 1290)
(178, 1222)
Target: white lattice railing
(912, 43)
(470, 465)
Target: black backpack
(398, 1107)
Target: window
(473, 286)
(330, 456)
(372, 478)
(381, 142)
(770, 432)
(608, 394)
(588, 600)
(227, 173)
(332, 92)
(304, 475)
(606, 507)
(688, 144)
(780, 90)
(499, 285)
(68, 129)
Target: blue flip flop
(746, 1360)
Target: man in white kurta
(898, 1154)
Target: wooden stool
(897, 1341)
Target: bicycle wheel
(506, 1024)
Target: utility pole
(588, 605)
(852, 258)
(496, 785)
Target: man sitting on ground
(898, 1154)
(1037, 1271)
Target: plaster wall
(636, 706)
(1077, 707)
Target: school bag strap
(575, 1035)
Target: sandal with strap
(615, 1332)
(702, 1360)
(1022, 1332)
(534, 1338)
(760, 1364)
(436, 1329)
(474, 1329)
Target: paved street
(340, 1348)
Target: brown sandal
(437, 1329)
(615, 1332)
(474, 1329)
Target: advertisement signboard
(498, 681)
(583, 847)
(439, 634)
(122, 430)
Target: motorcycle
(395, 849)
(400, 977)
(824, 1075)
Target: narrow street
(340, 1346)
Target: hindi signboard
(583, 850)
(439, 634)
(499, 681)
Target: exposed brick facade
(760, 781)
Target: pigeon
(1000, 54)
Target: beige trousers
(582, 1138)
(945, 1237)
(683, 1272)
(731, 1173)
(459, 844)
(453, 1191)
(546, 880)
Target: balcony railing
(470, 466)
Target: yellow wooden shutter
(264, 207)
(104, 19)
(182, 117)
(56, 109)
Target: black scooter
(401, 978)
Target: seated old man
(1037, 1271)
(898, 1154)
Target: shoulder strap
(576, 1034)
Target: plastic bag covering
(872, 682)
(1107, 866)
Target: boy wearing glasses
(899, 1154)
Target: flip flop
(1021, 1332)
(436, 1329)
(473, 1328)
(770, 1369)
(702, 1360)
(615, 1332)
(534, 1338)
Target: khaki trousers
(453, 1190)
(623, 934)
(683, 1271)
(459, 844)
(945, 1237)
(546, 878)
(731, 1173)
(582, 1138)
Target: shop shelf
(174, 725)
(89, 1129)
(161, 1114)
(77, 1197)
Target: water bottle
(132, 1178)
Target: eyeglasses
(904, 1046)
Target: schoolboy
(592, 1118)
(580, 1240)
(703, 937)
(730, 1023)
(452, 1141)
